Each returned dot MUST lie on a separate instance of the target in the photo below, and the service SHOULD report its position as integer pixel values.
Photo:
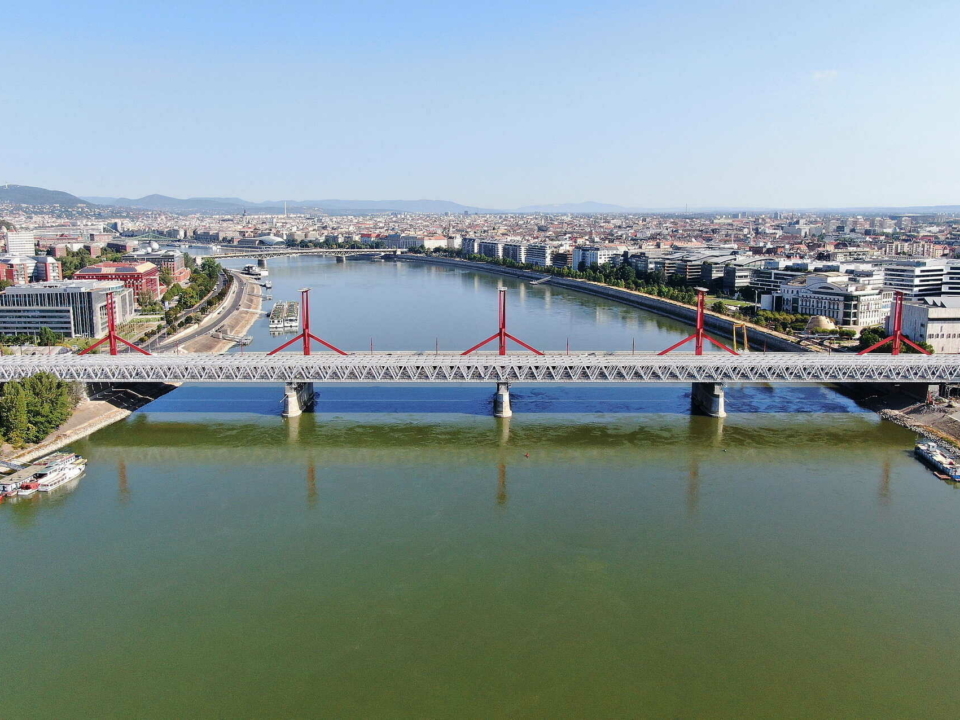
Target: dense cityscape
(840, 268)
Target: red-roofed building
(141, 277)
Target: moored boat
(58, 470)
(932, 455)
(28, 489)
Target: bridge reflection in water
(695, 445)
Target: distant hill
(582, 207)
(26, 195)
(414, 206)
(235, 205)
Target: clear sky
(496, 104)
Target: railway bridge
(708, 373)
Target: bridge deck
(405, 367)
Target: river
(403, 554)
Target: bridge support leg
(708, 399)
(341, 259)
(297, 398)
(501, 401)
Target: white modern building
(539, 254)
(935, 320)
(837, 296)
(916, 278)
(596, 254)
(21, 243)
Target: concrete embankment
(721, 325)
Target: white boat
(27, 489)
(59, 471)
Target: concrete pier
(298, 398)
(708, 399)
(501, 401)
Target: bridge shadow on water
(478, 400)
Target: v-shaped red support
(305, 335)
(502, 335)
(700, 334)
(898, 337)
(112, 336)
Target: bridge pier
(501, 401)
(298, 397)
(341, 258)
(708, 399)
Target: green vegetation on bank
(32, 408)
(873, 335)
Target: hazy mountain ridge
(28, 195)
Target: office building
(142, 278)
(916, 278)
(72, 308)
(935, 320)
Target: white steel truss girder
(402, 367)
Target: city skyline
(647, 106)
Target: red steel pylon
(502, 335)
(898, 336)
(305, 333)
(112, 336)
(699, 335)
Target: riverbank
(761, 338)
(237, 313)
(108, 407)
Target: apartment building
(516, 251)
(21, 243)
(539, 254)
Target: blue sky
(496, 104)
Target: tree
(166, 277)
(47, 337)
(49, 404)
(14, 420)
(717, 307)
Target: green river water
(402, 554)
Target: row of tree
(32, 408)
(173, 317)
